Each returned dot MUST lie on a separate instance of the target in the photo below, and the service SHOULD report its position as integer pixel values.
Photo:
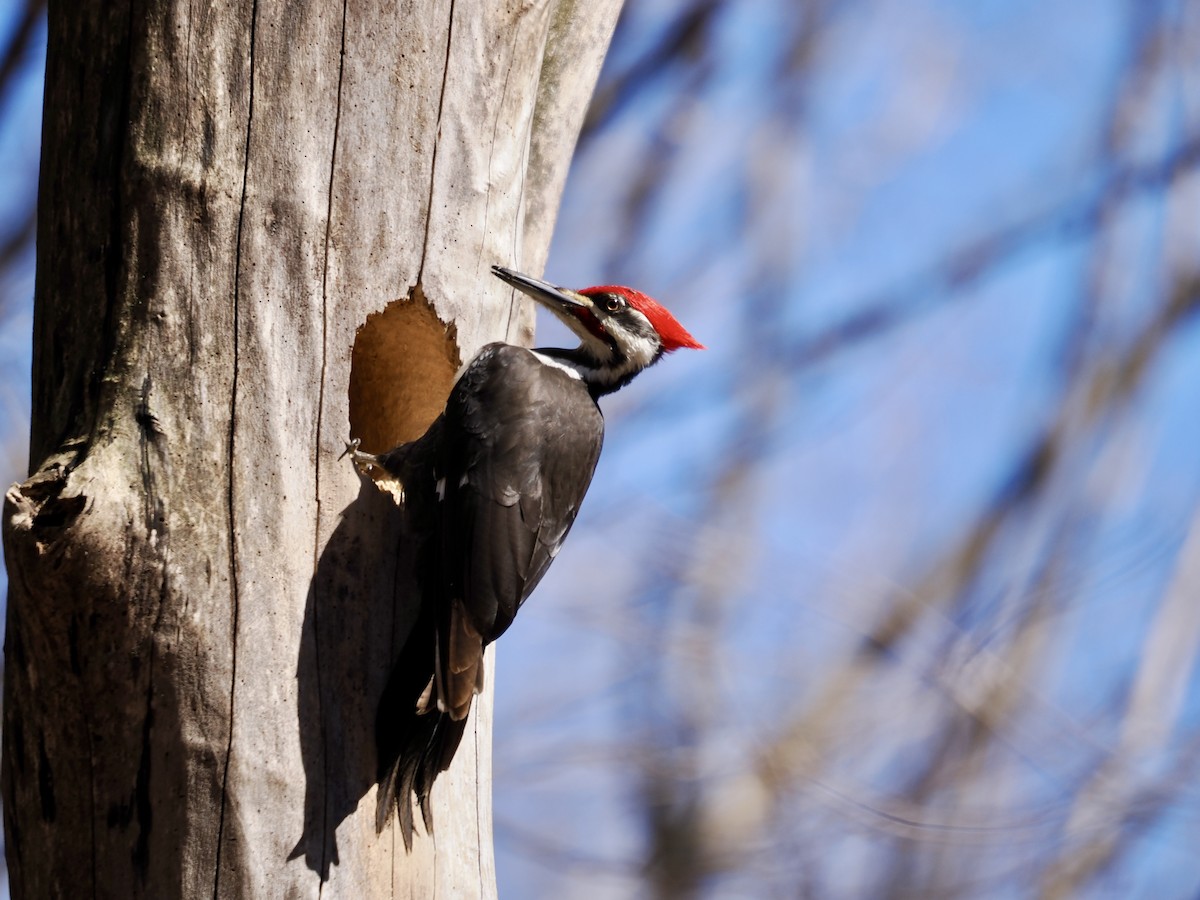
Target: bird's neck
(600, 375)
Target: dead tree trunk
(204, 602)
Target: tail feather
(432, 742)
(388, 800)
(435, 759)
(415, 738)
(401, 730)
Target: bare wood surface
(204, 602)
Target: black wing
(491, 489)
(521, 443)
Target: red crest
(674, 336)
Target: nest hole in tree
(401, 371)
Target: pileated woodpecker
(492, 489)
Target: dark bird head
(621, 331)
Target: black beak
(558, 300)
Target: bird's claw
(364, 462)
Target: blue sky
(20, 128)
(781, 208)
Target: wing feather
(522, 443)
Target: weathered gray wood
(204, 602)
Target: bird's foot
(364, 462)
(369, 466)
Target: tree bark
(262, 227)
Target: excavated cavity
(401, 371)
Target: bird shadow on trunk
(362, 604)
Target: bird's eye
(612, 302)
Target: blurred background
(893, 592)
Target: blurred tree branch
(19, 43)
